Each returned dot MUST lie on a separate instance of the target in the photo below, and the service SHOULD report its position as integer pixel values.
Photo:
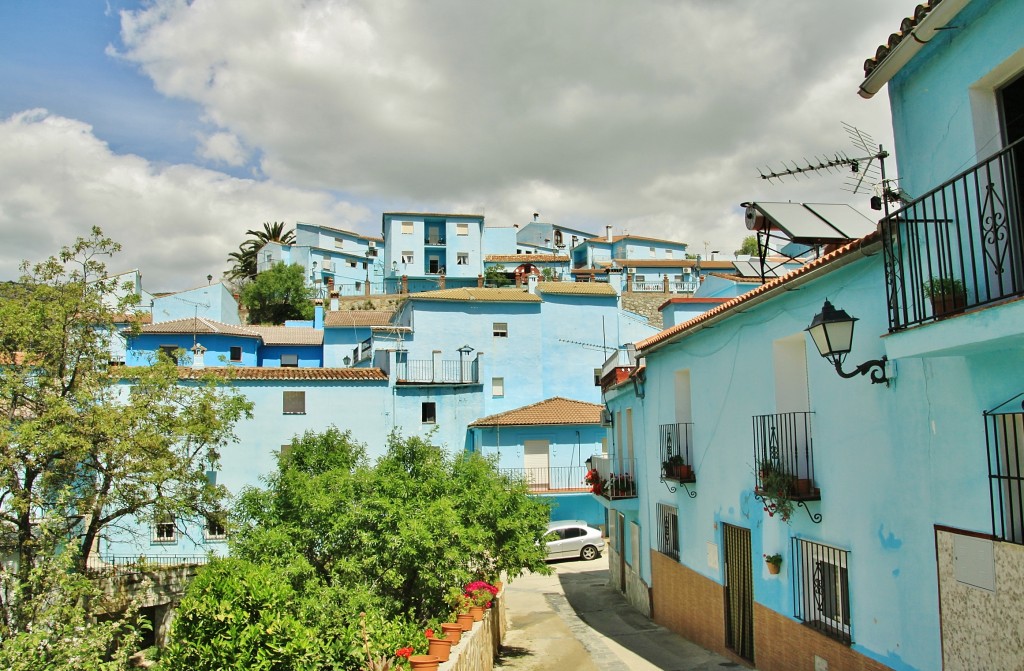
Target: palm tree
(244, 261)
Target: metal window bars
(821, 588)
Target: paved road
(574, 621)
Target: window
(236, 354)
(668, 523)
(289, 361)
(668, 253)
(653, 251)
(407, 257)
(575, 240)
(372, 251)
(497, 386)
(500, 330)
(164, 530)
(285, 451)
(461, 229)
(295, 403)
(433, 265)
(169, 351)
(597, 377)
(558, 238)
(428, 413)
(351, 264)
(339, 243)
(214, 529)
(823, 588)
(640, 278)
(462, 259)
(1005, 439)
(407, 228)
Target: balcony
(783, 452)
(437, 371)
(676, 460)
(613, 477)
(958, 247)
(550, 479)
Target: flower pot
(477, 612)
(948, 303)
(424, 662)
(452, 632)
(773, 568)
(499, 585)
(802, 487)
(466, 620)
(684, 472)
(440, 647)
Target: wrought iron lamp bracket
(876, 368)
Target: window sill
(294, 413)
(163, 541)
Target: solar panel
(843, 218)
(799, 223)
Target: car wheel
(588, 553)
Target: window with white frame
(654, 250)
(668, 253)
(289, 361)
(668, 530)
(352, 264)
(295, 403)
(339, 243)
(640, 278)
(500, 329)
(214, 530)
(236, 353)
(497, 386)
(428, 412)
(407, 257)
(461, 229)
(462, 259)
(823, 588)
(407, 228)
(165, 530)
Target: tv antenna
(868, 166)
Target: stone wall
(637, 592)
(646, 304)
(478, 648)
(157, 592)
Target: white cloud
(176, 223)
(222, 148)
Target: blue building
(334, 260)
(423, 247)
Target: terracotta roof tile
(618, 238)
(576, 288)
(738, 278)
(553, 411)
(290, 335)
(254, 373)
(526, 258)
(790, 277)
(199, 325)
(483, 295)
(341, 318)
(906, 28)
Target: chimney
(334, 300)
(536, 216)
(198, 360)
(531, 283)
(608, 233)
(318, 317)
(615, 279)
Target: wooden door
(739, 591)
(536, 461)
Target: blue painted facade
(424, 246)
(213, 301)
(550, 237)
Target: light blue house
(333, 260)
(213, 301)
(423, 247)
(548, 238)
(897, 464)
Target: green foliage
(938, 287)
(776, 487)
(245, 261)
(277, 295)
(342, 537)
(494, 276)
(548, 274)
(748, 246)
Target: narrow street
(574, 621)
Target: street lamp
(463, 351)
(832, 333)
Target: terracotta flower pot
(466, 620)
(774, 568)
(424, 662)
(452, 632)
(477, 612)
(441, 647)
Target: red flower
(403, 652)
(429, 633)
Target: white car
(573, 538)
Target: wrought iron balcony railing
(958, 247)
(676, 460)
(551, 478)
(613, 477)
(783, 452)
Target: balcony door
(739, 591)
(536, 461)
(1011, 118)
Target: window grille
(668, 524)
(165, 531)
(1004, 437)
(821, 588)
(500, 329)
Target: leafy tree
(495, 276)
(748, 246)
(277, 295)
(78, 453)
(245, 261)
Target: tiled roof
(526, 258)
(290, 335)
(692, 301)
(553, 411)
(618, 238)
(138, 317)
(254, 373)
(576, 288)
(199, 325)
(906, 28)
(340, 318)
(741, 279)
(486, 295)
(847, 250)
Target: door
(739, 591)
(536, 461)
(620, 542)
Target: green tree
(277, 295)
(494, 276)
(78, 452)
(244, 262)
(748, 246)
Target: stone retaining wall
(478, 648)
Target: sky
(177, 125)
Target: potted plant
(438, 644)
(460, 604)
(596, 482)
(775, 487)
(774, 563)
(676, 467)
(620, 485)
(947, 295)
